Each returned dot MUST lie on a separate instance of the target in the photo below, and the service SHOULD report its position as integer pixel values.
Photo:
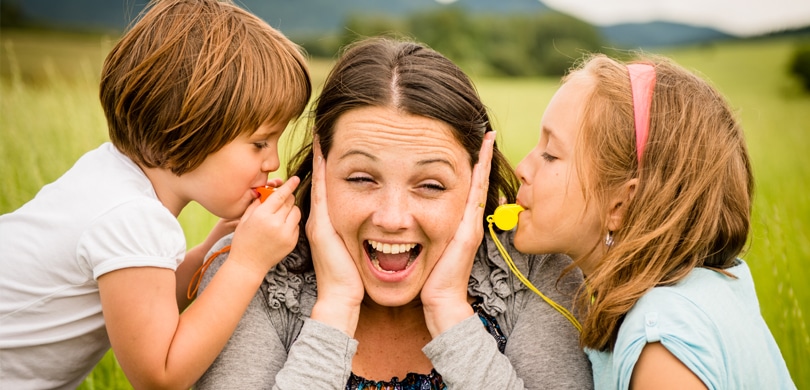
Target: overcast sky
(739, 17)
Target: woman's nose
(393, 212)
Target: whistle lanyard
(567, 314)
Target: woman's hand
(444, 295)
(340, 289)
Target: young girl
(196, 96)
(642, 176)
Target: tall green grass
(50, 115)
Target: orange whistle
(264, 192)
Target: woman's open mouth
(391, 258)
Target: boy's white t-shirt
(102, 215)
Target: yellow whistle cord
(567, 314)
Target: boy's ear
(618, 204)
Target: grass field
(50, 115)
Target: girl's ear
(618, 204)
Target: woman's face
(557, 218)
(396, 188)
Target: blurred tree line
(799, 64)
(11, 14)
(542, 44)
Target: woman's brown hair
(387, 72)
(192, 75)
(692, 203)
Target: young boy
(196, 96)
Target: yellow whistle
(264, 192)
(505, 216)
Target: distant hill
(658, 34)
(309, 17)
(313, 16)
(290, 16)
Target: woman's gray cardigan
(276, 344)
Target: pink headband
(642, 83)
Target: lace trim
(491, 278)
(291, 283)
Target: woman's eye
(433, 186)
(548, 157)
(359, 179)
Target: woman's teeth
(390, 248)
(391, 258)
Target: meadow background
(50, 116)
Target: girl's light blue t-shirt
(711, 323)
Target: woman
(642, 176)
(409, 293)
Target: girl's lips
(518, 200)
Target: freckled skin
(557, 218)
(225, 182)
(395, 178)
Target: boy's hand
(268, 189)
(268, 231)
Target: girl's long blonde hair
(692, 204)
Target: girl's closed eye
(548, 157)
(261, 144)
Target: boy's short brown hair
(192, 75)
